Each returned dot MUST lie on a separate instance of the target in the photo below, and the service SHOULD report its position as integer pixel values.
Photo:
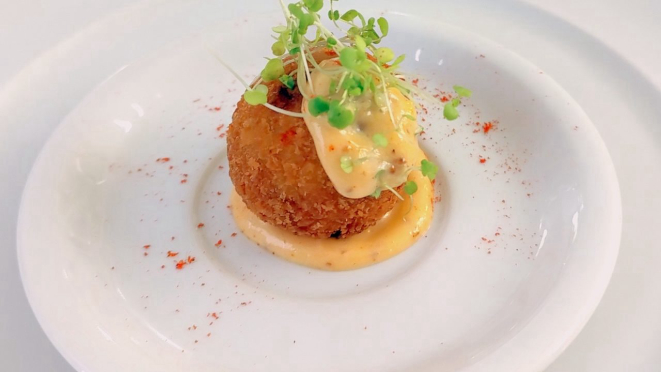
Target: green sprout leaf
(349, 15)
(360, 44)
(287, 81)
(278, 48)
(257, 95)
(294, 51)
(462, 92)
(383, 26)
(333, 15)
(428, 169)
(346, 163)
(349, 57)
(410, 187)
(279, 29)
(314, 5)
(318, 105)
(295, 10)
(273, 70)
(399, 60)
(450, 111)
(376, 193)
(456, 102)
(339, 117)
(330, 41)
(305, 22)
(384, 55)
(380, 140)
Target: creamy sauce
(398, 230)
(373, 166)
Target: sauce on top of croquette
(372, 154)
(394, 233)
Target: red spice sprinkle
(219, 193)
(172, 238)
(331, 148)
(444, 99)
(233, 235)
(483, 160)
(216, 108)
(218, 128)
(146, 246)
(487, 127)
(415, 82)
(180, 265)
(146, 254)
(218, 243)
(190, 259)
(163, 160)
(215, 315)
(200, 225)
(162, 266)
(184, 180)
(172, 254)
(209, 334)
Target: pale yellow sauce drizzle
(398, 230)
(356, 141)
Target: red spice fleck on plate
(146, 254)
(218, 243)
(190, 259)
(483, 160)
(172, 254)
(163, 160)
(216, 108)
(146, 246)
(180, 265)
(445, 99)
(184, 180)
(487, 127)
(415, 82)
(200, 225)
(233, 235)
(162, 266)
(215, 316)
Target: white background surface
(623, 335)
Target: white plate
(517, 258)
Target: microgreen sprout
(257, 95)
(428, 169)
(287, 81)
(410, 187)
(360, 68)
